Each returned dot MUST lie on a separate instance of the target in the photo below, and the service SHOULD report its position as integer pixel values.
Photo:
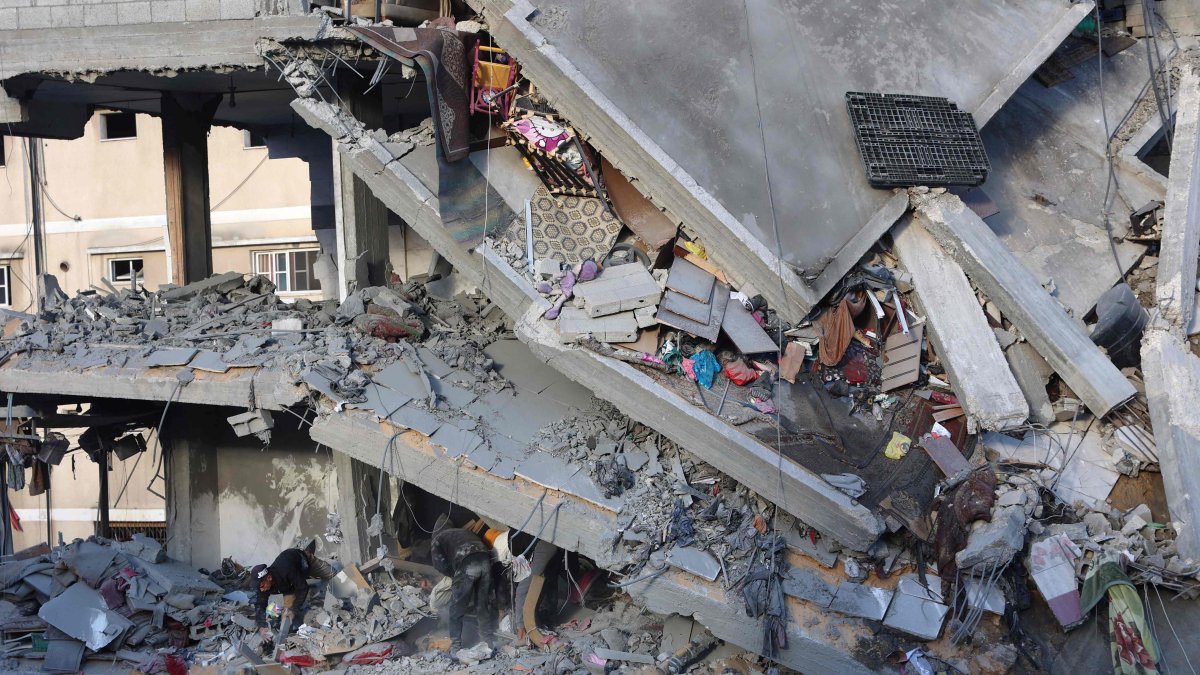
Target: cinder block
(100, 15)
(130, 13)
(67, 16)
(15, 4)
(34, 17)
(237, 9)
(202, 10)
(8, 19)
(167, 10)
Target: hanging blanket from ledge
(442, 54)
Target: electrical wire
(652, 575)
(242, 184)
(1183, 647)
(1112, 172)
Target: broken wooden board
(647, 342)
(638, 213)
(691, 281)
(679, 304)
(745, 333)
(902, 358)
(708, 331)
(943, 453)
(621, 288)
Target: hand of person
(426, 585)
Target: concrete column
(193, 521)
(185, 124)
(359, 217)
(357, 496)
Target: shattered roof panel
(699, 99)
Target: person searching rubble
(465, 559)
(288, 576)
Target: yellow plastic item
(492, 75)
(898, 446)
(695, 249)
(489, 537)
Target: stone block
(202, 10)
(995, 542)
(130, 13)
(67, 16)
(237, 9)
(862, 601)
(8, 19)
(100, 15)
(167, 10)
(35, 17)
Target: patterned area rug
(581, 229)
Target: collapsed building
(672, 327)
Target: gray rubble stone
(995, 542)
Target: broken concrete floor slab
(993, 267)
(867, 602)
(81, 613)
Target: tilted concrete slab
(683, 121)
(1049, 174)
(968, 348)
(994, 268)
(804, 494)
(588, 530)
(239, 387)
(1172, 370)
(80, 51)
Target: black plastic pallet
(916, 140)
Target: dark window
(114, 126)
(126, 271)
(289, 270)
(3, 148)
(253, 140)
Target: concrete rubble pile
(890, 445)
(123, 598)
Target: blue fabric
(706, 368)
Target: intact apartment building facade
(105, 211)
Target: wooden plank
(965, 342)
(990, 264)
(678, 303)
(745, 333)
(709, 331)
(902, 358)
(943, 453)
(690, 280)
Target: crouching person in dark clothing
(461, 556)
(288, 576)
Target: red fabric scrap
(740, 373)
(370, 655)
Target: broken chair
(493, 74)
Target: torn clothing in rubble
(763, 594)
(837, 327)
(289, 576)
